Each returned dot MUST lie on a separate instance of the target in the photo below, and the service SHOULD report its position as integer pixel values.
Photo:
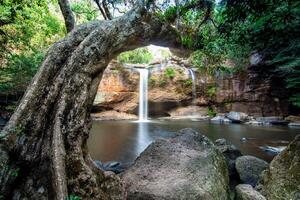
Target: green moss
(162, 82)
(188, 82)
(152, 81)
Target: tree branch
(67, 13)
(106, 10)
(101, 9)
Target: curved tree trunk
(43, 152)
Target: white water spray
(192, 74)
(143, 92)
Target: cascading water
(143, 92)
(192, 74)
(193, 77)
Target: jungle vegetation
(231, 30)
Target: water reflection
(143, 139)
(124, 140)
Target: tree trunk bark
(43, 152)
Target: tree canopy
(215, 30)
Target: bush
(211, 91)
(211, 112)
(170, 73)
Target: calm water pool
(124, 140)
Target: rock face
(195, 111)
(246, 192)
(250, 169)
(119, 87)
(185, 167)
(282, 179)
(171, 87)
(113, 115)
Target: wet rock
(273, 150)
(294, 124)
(269, 120)
(246, 192)
(255, 123)
(279, 122)
(187, 166)
(293, 118)
(220, 119)
(250, 169)
(282, 179)
(237, 117)
(231, 153)
(112, 166)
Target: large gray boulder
(237, 117)
(187, 166)
(246, 192)
(282, 179)
(250, 169)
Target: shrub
(170, 73)
(211, 112)
(211, 91)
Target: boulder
(282, 179)
(237, 117)
(231, 153)
(293, 118)
(112, 166)
(187, 166)
(220, 119)
(273, 150)
(250, 169)
(246, 192)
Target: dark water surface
(125, 140)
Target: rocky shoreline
(190, 166)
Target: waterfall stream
(143, 95)
(193, 77)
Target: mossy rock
(282, 179)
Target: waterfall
(143, 92)
(192, 75)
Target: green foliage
(268, 26)
(140, 55)
(84, 11)
(169, 73)
(152, 81)
(15, 173)
(188, 82)
(73, 197)
(211, 112)
(19, 70)
(162, 82)
(170, 14)
(27, 28)
(211, 91)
